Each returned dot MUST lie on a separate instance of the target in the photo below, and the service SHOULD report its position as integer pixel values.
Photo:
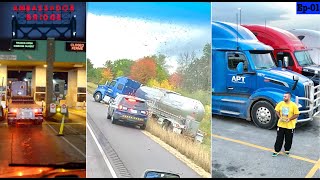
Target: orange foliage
(143, 70)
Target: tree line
(193, 73)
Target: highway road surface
(124, 151)
(39, 144)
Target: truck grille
(307, 89)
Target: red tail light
(120, 107)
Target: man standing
(288, 112)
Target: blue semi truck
(120, 85)
(246, 82)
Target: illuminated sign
(63, 21)
(43, 12)
(23, 45)
(76, 46)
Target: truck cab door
(239, 84)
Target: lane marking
(179, 156)
(68, 142)
(314, 169)
(113, 173)
(262, 148)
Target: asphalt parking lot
(240, 149)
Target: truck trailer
(247, 84)
(173, 111)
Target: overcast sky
(279, 14)
(134, 30)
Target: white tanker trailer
(173, 111)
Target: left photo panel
(43, 89)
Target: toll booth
(44, 46)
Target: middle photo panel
(149, 90)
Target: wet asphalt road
(39, 144)
(129, 151)
(240, 149)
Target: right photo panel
(265, 90)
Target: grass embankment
(200, 154)
(91, 87)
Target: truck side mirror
(240, 68)
(286, 61)
(279, 63)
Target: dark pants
(283, 134)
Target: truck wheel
(97, 97)
(264, 115)
(167, 126)
(113, 120)
(143, 127)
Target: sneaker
(287, 153)
(275, 154)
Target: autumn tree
(106, 75)
(143, 70)
(175, 80)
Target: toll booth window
(113, 83)
(81, 97)
(81, 90)
(40, 89)
(120, 87)
(56, 88)
(281, 55)
(40, 96)
(235, 59)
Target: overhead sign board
(76, 46)
(25, 45)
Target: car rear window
(133, 103)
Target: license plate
(26, 114)
(131, 117)
(134, 111)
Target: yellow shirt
(287, 110)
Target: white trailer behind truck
(21, 106)
(174, 112)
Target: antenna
(237, 32)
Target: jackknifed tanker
(173, 111)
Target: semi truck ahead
(120, 85)
(21, 106)
(247, 84)
(311, 39)
(288, 48)
(174, 112)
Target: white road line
(68, 142)
(113, 173)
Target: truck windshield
(303, 58)
(262, 59)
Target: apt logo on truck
(238, 79)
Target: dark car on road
(128, 109)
